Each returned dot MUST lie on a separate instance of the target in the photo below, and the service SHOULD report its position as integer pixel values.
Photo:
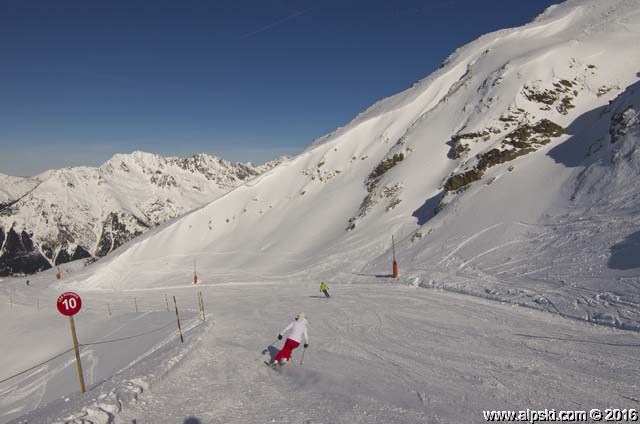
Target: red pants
(285, 353)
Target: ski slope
(113, 337)
(384, 354)
(379, 353)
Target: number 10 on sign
(69, 304)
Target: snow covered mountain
(82, 212)
(12, 188)
(507, 173)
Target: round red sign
(69, 303)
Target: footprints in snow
(104, 409)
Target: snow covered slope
(73, 213)
(374, 357)
(12, 188)
(487, 172)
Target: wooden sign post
(201, 304)
(178, 319)
(69, 304)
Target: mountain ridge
(86, 212)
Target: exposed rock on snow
(18, 253)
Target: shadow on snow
(626, 254)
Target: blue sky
(245, 80)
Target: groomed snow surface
(380, 352)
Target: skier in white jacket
(296, 330)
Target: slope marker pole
(395, 264)
(77, 352)
(195, 274)
(178, 319)
(201, 304)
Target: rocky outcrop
(19, 255)
(115, 232)
(80, 253)
(621, 122)
(521, 141)
(373, 193)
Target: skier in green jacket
(324, 289)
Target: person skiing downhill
(296, 330)
(324, 289)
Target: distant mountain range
(85, 212)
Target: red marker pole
(69, 304)
(395, 264)
(195, 274)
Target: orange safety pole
(395, 264)
(195, 275)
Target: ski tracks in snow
(378, 354)
(466, 241)
(107, 406)
(120, 395)
(486, 252)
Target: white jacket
(296, 330)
